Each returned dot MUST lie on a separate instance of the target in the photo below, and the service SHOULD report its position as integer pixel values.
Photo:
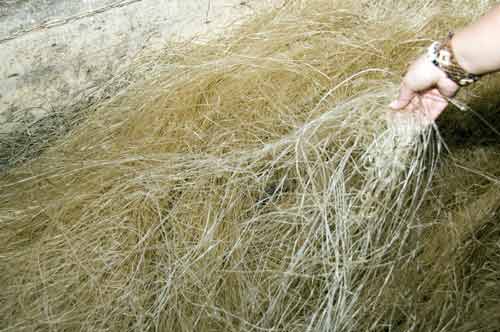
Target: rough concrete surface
(54, 53)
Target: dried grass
(258, 184)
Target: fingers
(429, 104)
(405, 97)
(432, 104)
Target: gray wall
(56, 53)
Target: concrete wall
(54, 53)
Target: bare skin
(426, 88)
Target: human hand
(425, 89)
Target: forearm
(477, 47)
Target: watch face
(444, 57)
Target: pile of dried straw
(259, 184)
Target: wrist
(442, 55)
(462, 55)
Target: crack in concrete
(62, 21)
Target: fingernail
(394, 104)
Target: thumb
(447, 87)
(405, 97)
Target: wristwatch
(441, 55)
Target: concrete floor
(55, 53)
